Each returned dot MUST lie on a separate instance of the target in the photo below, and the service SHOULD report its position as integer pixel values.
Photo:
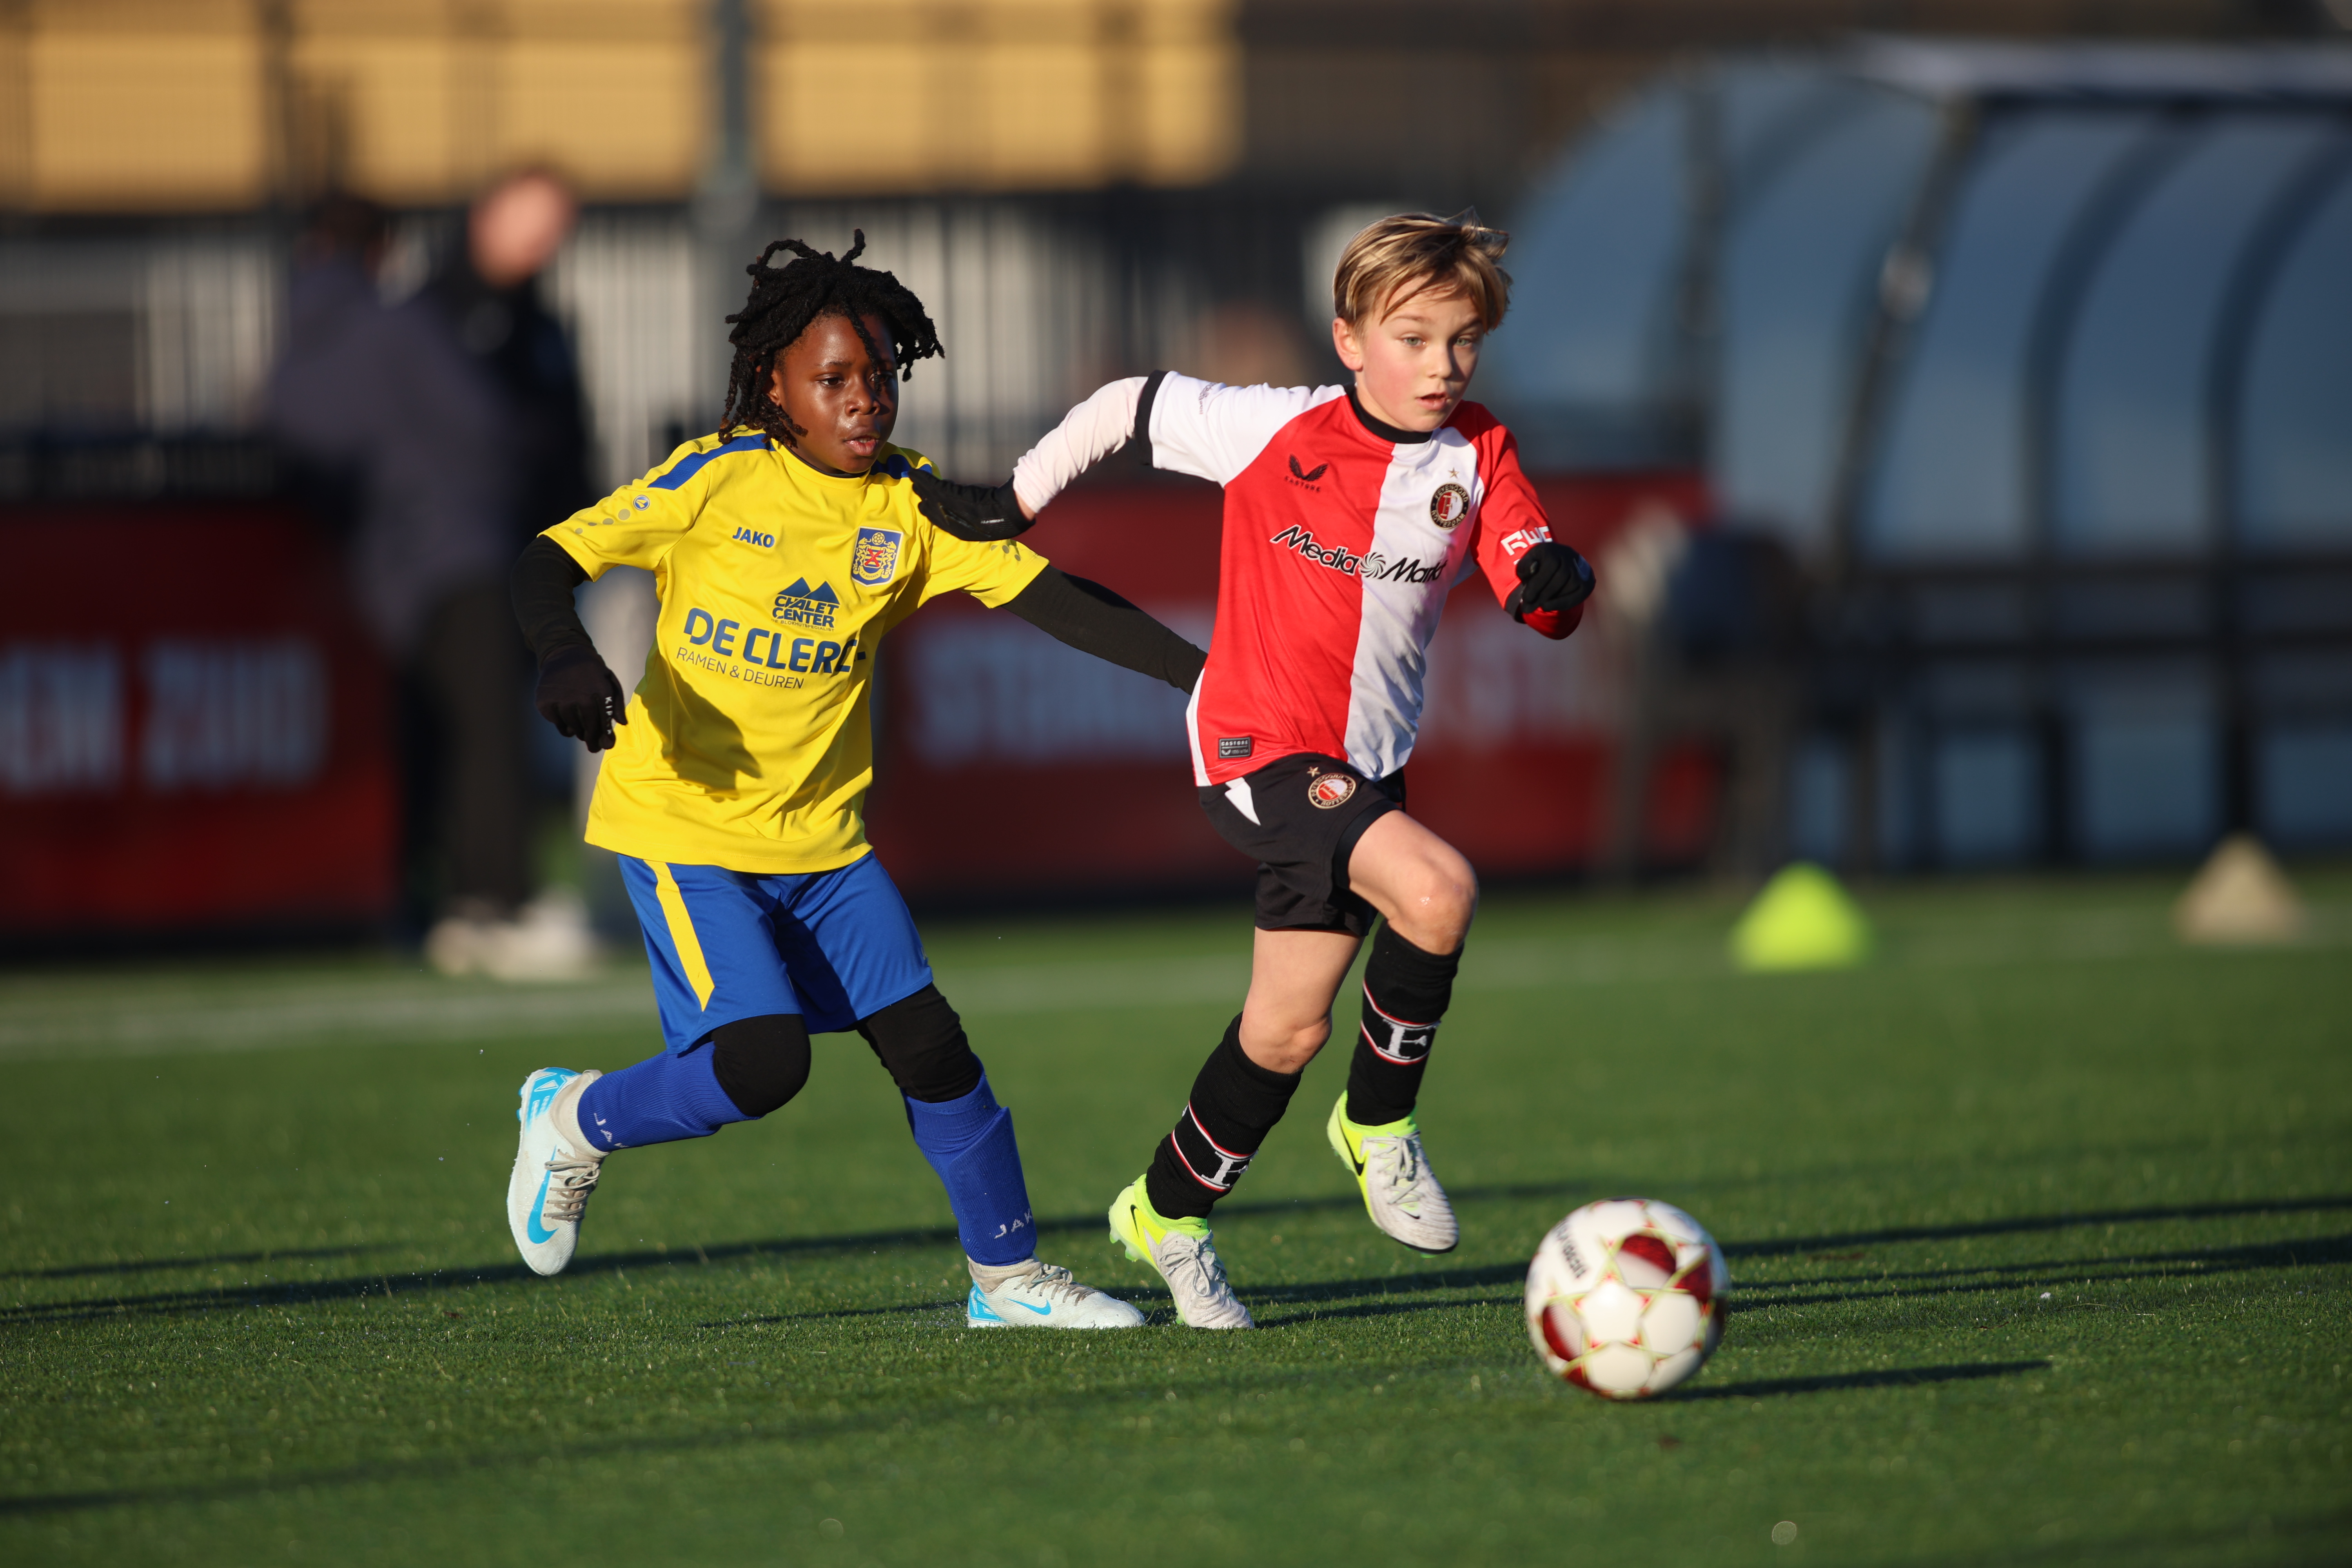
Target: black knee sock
(1406, 992)
(1235, 1103)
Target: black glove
(580, 697)
(1551, 577)
(969, 511)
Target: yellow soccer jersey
(750, 743)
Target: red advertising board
(1011, 764)
(192, 730)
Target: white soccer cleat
(1046, 1297)
(1400, 1192)
(548, 1191)
(1184, 1251)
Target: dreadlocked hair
(784, 301)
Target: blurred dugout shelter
(1078, 189)
(2039, 361)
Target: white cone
(2239, 896)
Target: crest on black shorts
(1449, 506)
(1330, 790)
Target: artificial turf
(2040, 1230)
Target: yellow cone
(1802, 919)
(2239, 896)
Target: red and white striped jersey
(1342, 537)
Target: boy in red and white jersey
(1349, 513)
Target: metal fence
(132, 345)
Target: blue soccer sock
(968, 1141)
(659, 1100)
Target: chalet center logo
(802, 606)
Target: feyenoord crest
(1449, 505)
(874, 559)
(1330, 790)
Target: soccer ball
(1625, 1298)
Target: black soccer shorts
(1300, 817)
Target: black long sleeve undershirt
(1092, 619)
(542, 583)
(1084, 615)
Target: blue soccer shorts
(832, 946)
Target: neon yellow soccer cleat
(1400, 1192)
(1184, 1251)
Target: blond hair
(1392, 259)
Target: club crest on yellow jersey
(874, 559)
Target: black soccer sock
(1235, 1103)
(1406, 992)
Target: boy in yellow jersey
(783, 547)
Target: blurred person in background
(407, 439)
(488, 292)
(487, 289)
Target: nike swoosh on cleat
(535, 1230)
(1041, 1311)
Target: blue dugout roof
(1913, 303)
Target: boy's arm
(577, 691)
(1102, 424)
(635, 526)
(1092, 431)
(1538, 581)
(542, 583)
(1093, 619)
(1204, 428)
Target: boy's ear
(1345, 343)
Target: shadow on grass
(156, 1265)
(1892, 1378)
(436, 1468)
(2276, 1255)
(1391, 1295)
(2027, 1223)
(834, 1314)
(801, 1429)
(292, 1292)
(2312, 1252)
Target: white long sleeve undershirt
(1092, 431)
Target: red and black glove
(1551, 577)
(581, 697)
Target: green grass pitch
(2039, 1229)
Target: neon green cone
(1802, 919)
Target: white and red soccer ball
(1625, 1298)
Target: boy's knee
(1438, 905)
(760, 1062)
(1284, 1045)
(922, 1044)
